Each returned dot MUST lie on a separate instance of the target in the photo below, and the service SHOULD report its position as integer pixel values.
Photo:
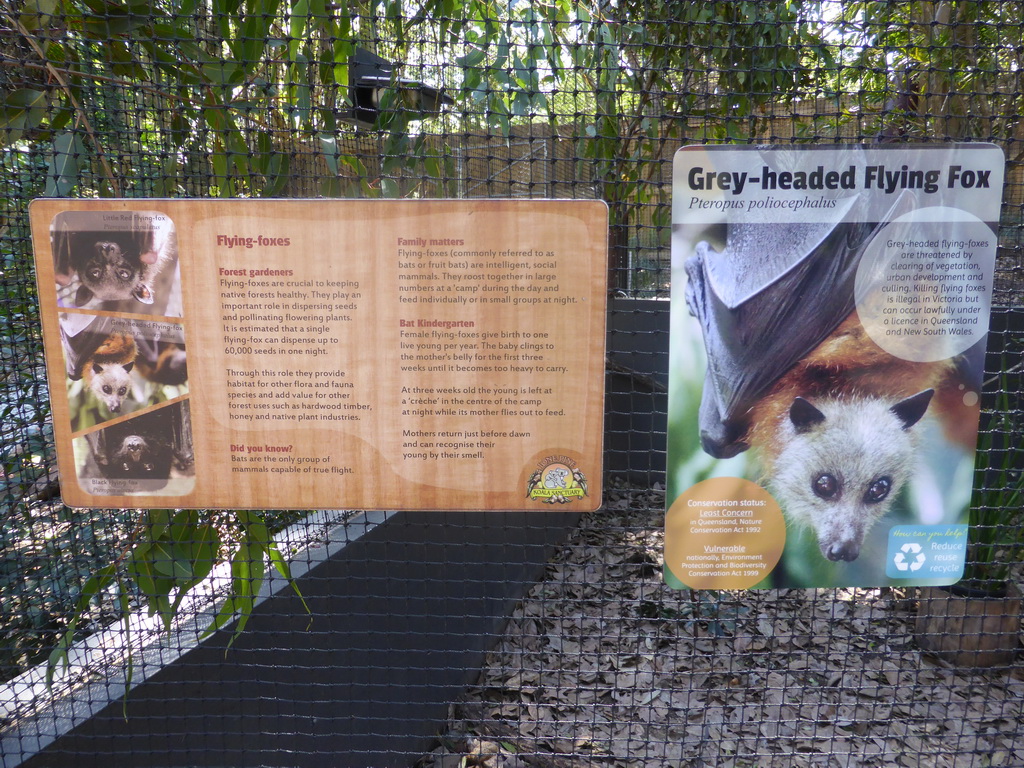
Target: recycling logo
(905, 563)
(926, 553)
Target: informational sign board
(830, 307)
(406, 354)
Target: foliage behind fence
(541, 98)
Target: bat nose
(721, 446)
(843, 550)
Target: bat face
(135, 458)
(132, 449)
(111, 383)
(109, 273)
(843, 463)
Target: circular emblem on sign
(724, 533)
(557, 480)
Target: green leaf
(331, 186)
(183, 525)
(23, 110)
(241, 571)
(297, 19)
(343, 47)
(256, 529)
(123, 601)
(158, 520)
(59, 655)
(246, 576)
(220, 171)
(282, 567)
(62, 170)
(329, 149)
(223, 73)
(170, 561)
(140, 570)
(122, 62)
(111, 23)
(165, 184)
(276, 174)
(203, 551)
(520, 104)
(471, 59)
(93, 586)
(36, 13)
(256, 31)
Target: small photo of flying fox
(106, 372)
(128, 266)
(116, 366)
(146, 453)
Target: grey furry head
(843, 461)
(109, 273)
(111, 383)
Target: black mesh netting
(489, 639)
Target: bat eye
(124, 274)
(122, 391)
(95, 273)
(107, 390)
(825, 486)
(878, 490)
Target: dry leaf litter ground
(602, 664)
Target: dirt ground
(603, 665)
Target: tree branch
(7, 61)
(82, 117)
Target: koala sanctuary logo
(557, 480)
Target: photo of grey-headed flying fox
(115, 366)
(106, 370)
(833, 420)
(838, 435)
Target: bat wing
(81, 336)
(772, 293)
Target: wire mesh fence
(408, 659)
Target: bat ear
(82, 296)
(142, 294)
(97, 368)
(910, 410)
(804, 415)
(129, 365)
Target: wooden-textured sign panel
(302, 354)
